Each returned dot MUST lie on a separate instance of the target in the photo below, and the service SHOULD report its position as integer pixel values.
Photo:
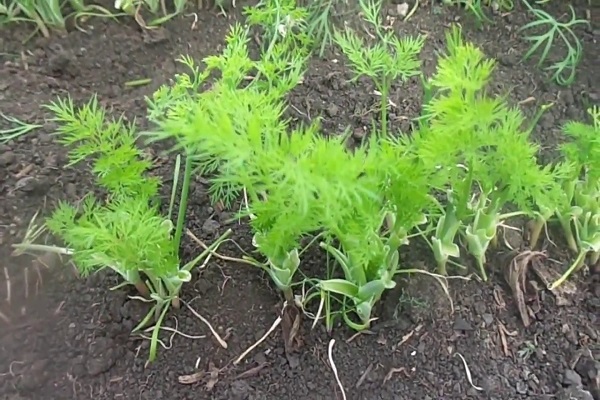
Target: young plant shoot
(125, 233)
(384, 61)
(476, 141)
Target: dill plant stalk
(475, 141)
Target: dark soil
(63, 337)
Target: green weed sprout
(45, 14)
(18, 129)
(476, 141)
(287, 48)
(282, 21)
(580, 216)
(125, 233)
(319, 22)
(563, 72)
(383, 62)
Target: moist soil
(67, 337)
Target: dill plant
(124, 232)
(482, 149)
(579, 211)
(237, 136)
(385, 61)
(394, 200)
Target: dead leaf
(25, 171)
(395, 371)
(515, 274)
(502, 332)
(213, 378)
(290, 325)
(364, 375)
(212, 373)
(192, 378)
(405, 339)
(548, 275)
(252, 371)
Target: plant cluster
(449, 182)
(124, 230)
(467, 160)
(49, 15)
(578, 212)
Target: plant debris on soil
(63, 337)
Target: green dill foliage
(237, 137)
(475, 141)
(393, 200)
(275, 76)
(583, 148)
(293, 180)
(388, 59)
(119, 165)
(579, 214)
(125, 232)
(126, 235)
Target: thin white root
(255, 345)
(468, 372)
(185, 335)
(214, 252)
(26, 276)
(159, 341)
(176, 331)
(7, 277)
(4, 318)
(333, 367)
(201, 318)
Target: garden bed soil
(65, 337)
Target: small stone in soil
(240, 389)
(462, 325)
(573, 393)
(210, 226)
(521, 387)
(488, 319)
(571, 378)
(7, 158)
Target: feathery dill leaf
(119, 165)
(126, 235)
